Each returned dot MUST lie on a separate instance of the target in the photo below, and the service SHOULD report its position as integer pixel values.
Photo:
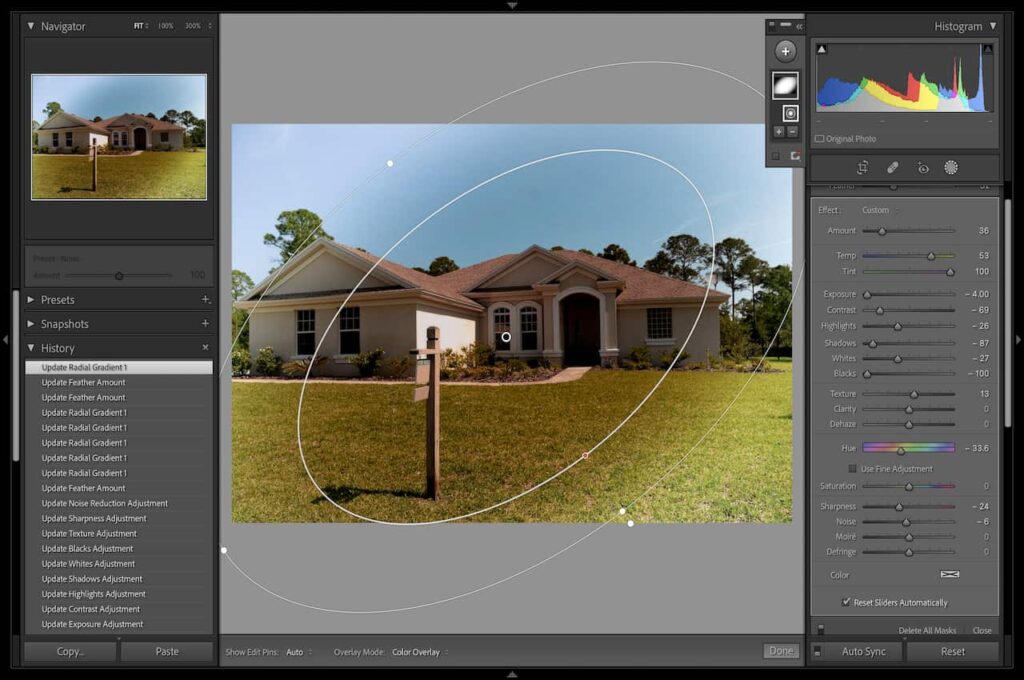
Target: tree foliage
(296, 229)
(729, 254)
(682, 256)
(442, 265)
(616, 253)
(240, 285)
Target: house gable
(532, 265)
(580, 274)
(63, 120)
(326, 271)
(323, 267)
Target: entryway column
(551, 342)
(610, 338)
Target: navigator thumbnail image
(118, 137)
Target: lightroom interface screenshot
(498, 340)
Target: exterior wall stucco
(80, 138)
(457, 330)
(325, 272)
(632, 328)
(175, 138)
(272, 328)
(529, 271)
(574, 280)
(83, 139)
(389, 327)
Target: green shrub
(638, 359)
(297, 368)
(665, 357)
(452, 359)
(396, 367)
(241, 361)
(479, 354)
(367, 362)
(735, 338)
(511, 368)
(268, 363)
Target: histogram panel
(904, 78)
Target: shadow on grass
(68, 190)
(347, 494)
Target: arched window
(502, 324)
(529, 328)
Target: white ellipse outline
(585, 454)
(370, 178)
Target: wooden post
(434, 414)
(95, 162)
(431, 392)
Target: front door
(581, 330)
(139, 138)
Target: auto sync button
(858, 652)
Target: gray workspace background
(432, 68)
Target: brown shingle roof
(103, 126)
(129, 118)
(434, 284)
(640, 283)
(78, 119)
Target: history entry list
(119, 491)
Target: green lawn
(151, 174)
(364, 444)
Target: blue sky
(106, 95)
(584, 201)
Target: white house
(569, 307)
(65, 131)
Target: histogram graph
(904, 78)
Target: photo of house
(118, 137)
(65, 130)
(575, 294)
(567, 307)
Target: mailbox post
(430, 373)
